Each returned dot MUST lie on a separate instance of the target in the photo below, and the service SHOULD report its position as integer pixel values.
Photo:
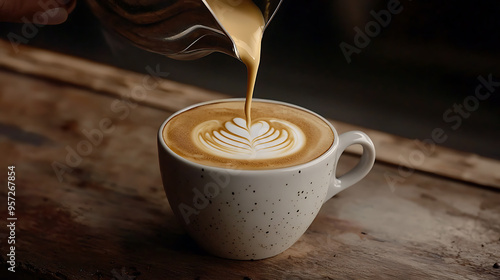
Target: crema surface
(217, 135)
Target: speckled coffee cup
(255, 214)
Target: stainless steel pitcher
(180, 29)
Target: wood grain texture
(428, 156)
(151, 89)
(109, 218)
(155, 91)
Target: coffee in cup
(217, 134)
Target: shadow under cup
(255, 214)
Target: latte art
(217, 134)
(264, 139)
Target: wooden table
(90, 204)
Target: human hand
(47, 12)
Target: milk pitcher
(179, 29)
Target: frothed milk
(216, 135)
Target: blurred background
(423, 63)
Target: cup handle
(364, 165)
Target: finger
(41, 12)
(51, 16)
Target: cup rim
(322, 157)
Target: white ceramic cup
(255, 214)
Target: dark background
(427, 59)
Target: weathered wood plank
(169, 95)
(109, 218)
(151, 89)
(426, 155)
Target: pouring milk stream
(244, 23)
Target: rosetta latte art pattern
(263, 140)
